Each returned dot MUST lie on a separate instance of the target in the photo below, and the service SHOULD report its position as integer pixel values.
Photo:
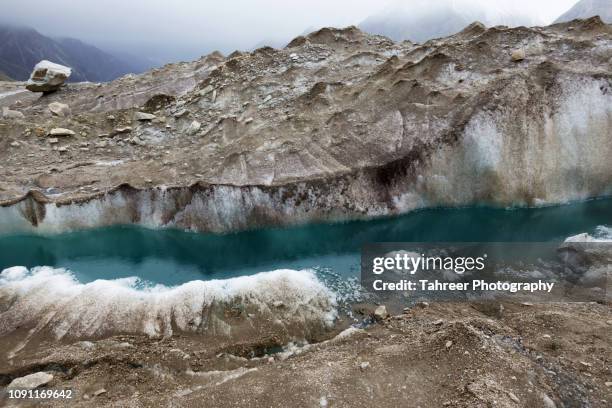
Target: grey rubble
(339, 124)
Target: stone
(53, 140)
(438, 322)
(31, 381)
(15, 144)
(86, 345)
(380, 313)
(61, 132)
(448, 344)
(194, 127)
(143, 116)
(548, 402)
(364, 366)
(122, 130)
(99, 392)
(513, 397)
(181, 113)
(518, 55)
(59, 109)
(608, 383)
(11, 114)
(208, 89)
(47, 77)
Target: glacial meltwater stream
(171, 257)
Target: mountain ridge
(588, 8)
(22, 47)
(422, 22)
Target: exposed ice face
(554, 149)
(522, 147)
(51, 301)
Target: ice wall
(50, 301)
(544, 147)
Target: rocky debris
(493, 362)
(337, 114)
(143, 116)
(380, 313)
(11, 114)
(59, 109)
(47, 77)
(31, 381)
(518, 55)
(61, 132)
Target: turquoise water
(172, 257)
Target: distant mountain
(588, 8)
(422, 20)
(21, 48)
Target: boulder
(122, 130)
(380, 313)
(59, 109)
(143, 116)
(31, 381)
(47, 77)
(518, 55)
(11, 114)
(61, 132)
(194, 127)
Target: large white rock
(47, 77)
(30, 381)
(61, 132)
(59, 109)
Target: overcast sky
(185, 29)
